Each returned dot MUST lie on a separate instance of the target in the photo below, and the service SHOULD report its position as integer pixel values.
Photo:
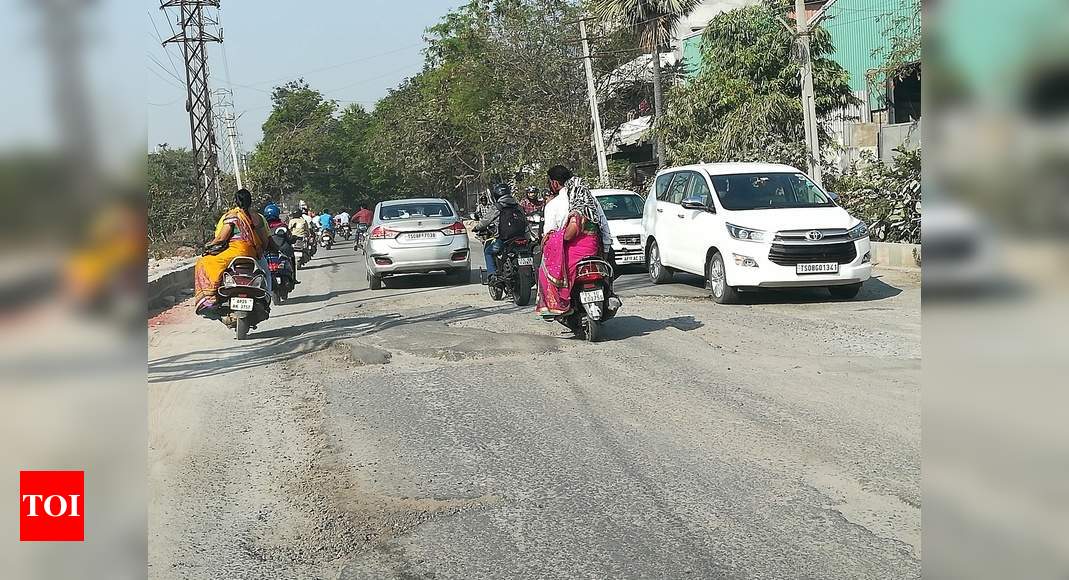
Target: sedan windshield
(402, 211)
(768, 191)
(621, 207)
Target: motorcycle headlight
(746, 234)
(859, 231)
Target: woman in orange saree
(244, 231)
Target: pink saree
(555, 277)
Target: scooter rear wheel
(241, 328)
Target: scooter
(591, 291)
(345, 231)
(283, 281)
(326, 239)
(243, 301)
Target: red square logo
(52, 506)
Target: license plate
(821, 268)
(629, 259)
(241, 304)
(525, 261)
(421, 236)
(592, 296)
(298, 255)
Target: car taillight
(588, 273)
(456, 229)
(381, 233)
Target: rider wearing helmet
(503, 222)
(273, 215)
(531, 202)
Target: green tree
(744, 103)
(176, 213)
(653, 21)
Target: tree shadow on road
(289, 342)
(623, 327)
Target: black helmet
(501, 190)
(532, 191)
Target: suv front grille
(629, 240)
(792, 255)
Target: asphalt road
(425, 431)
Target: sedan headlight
(746, 234)
(859, 231)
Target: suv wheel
(716, 275)
(658, 273)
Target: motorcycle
(345, 231)
(326, 238)
(243, 300)
(302, 252)
(535, 222)
(515, 273)
(361, 235)
(591, 290)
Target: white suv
(766, 226)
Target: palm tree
(654, 21)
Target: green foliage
(501, 93)
(176, 213)
(887, 197)
(744, 103)
(903, 52)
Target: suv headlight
(746, 234)
(859, 231)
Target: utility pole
(804, 29)
(592, 95)
(228, 120)
(194, 38)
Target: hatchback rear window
(403, 211)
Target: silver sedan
(416, 236)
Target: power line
(173, 75)
(163, 78)
(159, 38)
(331, 67)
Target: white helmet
(302, 205)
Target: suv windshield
(768, 191)
(403, 211)
(621, 207)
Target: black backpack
(512, 223)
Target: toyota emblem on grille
(814, 235)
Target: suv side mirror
(834, 196)
(696, 202)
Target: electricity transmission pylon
(194, 37)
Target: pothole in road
(322, 516)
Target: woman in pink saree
(563, 248)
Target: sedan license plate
(592, 296)
(241, 304)
(629, 258)
(420, 236)
(820, 268)
(528, 261)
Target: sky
(365, 46)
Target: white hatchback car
(752, 225)
(623, 210)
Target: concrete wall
(166, 288)
(896, 255)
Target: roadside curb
(896, 255)
(165, 288)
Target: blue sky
(268, 42)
